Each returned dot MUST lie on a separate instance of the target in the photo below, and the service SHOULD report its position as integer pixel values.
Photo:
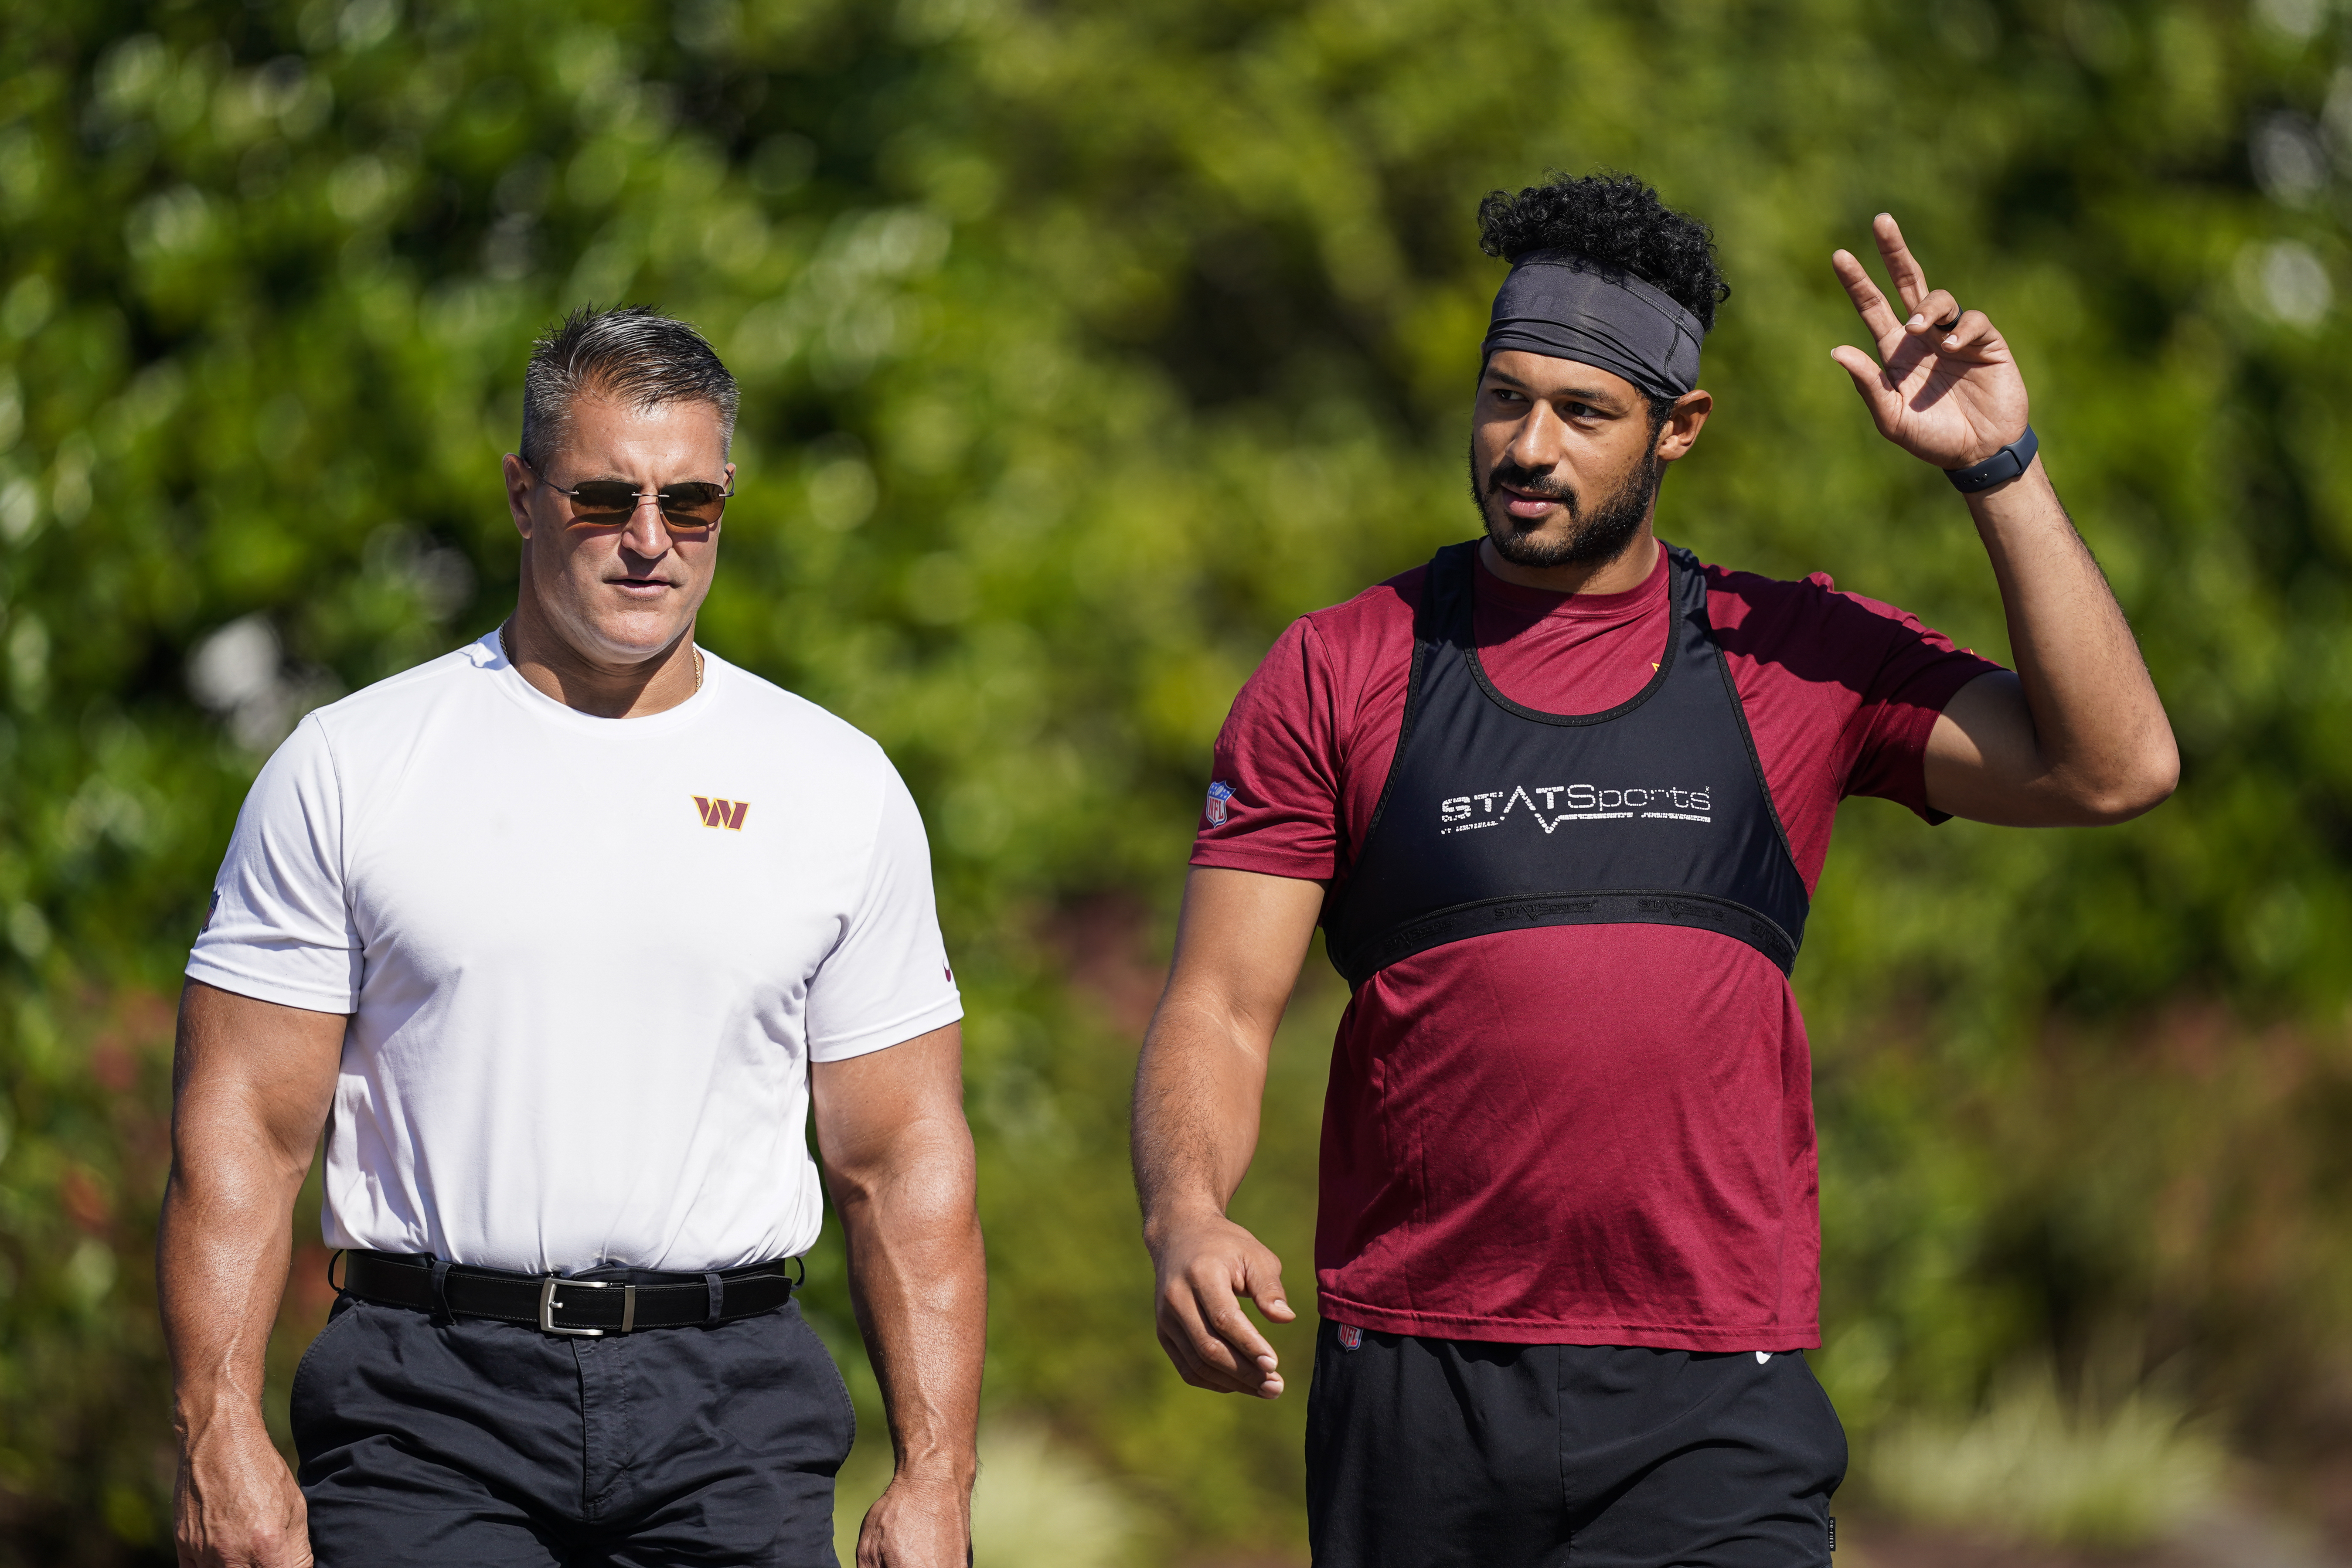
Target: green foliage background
(1083, 345)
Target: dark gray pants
(1457, 1454)
(475, 1444)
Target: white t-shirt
(587, 961)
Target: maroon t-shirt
(1592, 1134)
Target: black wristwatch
(1998, 469)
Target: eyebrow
(1599, 397)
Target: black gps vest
(1497, 817)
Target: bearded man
(1559, 800)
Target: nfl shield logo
(1350, 1336)
(1219, 793)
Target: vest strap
(1631, 906)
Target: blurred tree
(1082, 346)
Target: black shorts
(472, 1444)
(1423, 1453)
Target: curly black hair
(1616, 221)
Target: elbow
(2142, 787)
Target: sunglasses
(611, 502)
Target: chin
(631, 639)
(1550, 537)
(636, 650)
(1570, 543)
(1513, 537)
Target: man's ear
(1682, 423)
(519, 484)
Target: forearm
(918, 1281)
(222, 1254)
(2100, 730)
(1200, 1089)
(250, 1085)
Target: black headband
(1557, 303)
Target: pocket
(816, 1348)
(306, 1371)
(1832, 1428)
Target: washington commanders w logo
(722, 813)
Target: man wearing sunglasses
(562, 938)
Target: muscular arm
(2078, 736)
(898, 1163)
(251, 1082)
(1198, 1089)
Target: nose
(648, 532)
(1536, 443)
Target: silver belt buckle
(547, 1304)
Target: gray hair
(630, 353)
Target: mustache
(1532, 482)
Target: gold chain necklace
(507, 648)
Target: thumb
(1264, 1286)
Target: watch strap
(1998, 469)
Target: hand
(1950, 398)
(1204, 1268)
(235, 1506)
(918, 1522)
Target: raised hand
(1947, 392)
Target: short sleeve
(888, 979)
(1918, 672)
(280, 928)
(1273, 803)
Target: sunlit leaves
(1083, 347)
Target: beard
(1597, 533)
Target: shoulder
(809, 734)
(1327, 657)
(426, 686)
(1381, 614)
(395, 708)
(1761, 616)
(1355, 636)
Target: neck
(1621, 573)
(551, 665)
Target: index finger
(1910, 277)
(1225, 1318)
(1877, 316)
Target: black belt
(589, 1308)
